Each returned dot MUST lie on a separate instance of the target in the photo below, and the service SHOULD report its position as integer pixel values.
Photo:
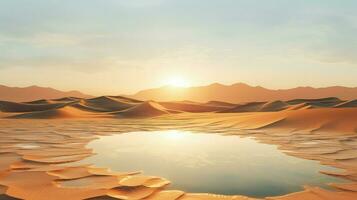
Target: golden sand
(37, 156)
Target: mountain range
(31, 93)
(236, 93)
(240, 92)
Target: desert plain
(42, 142)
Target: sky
(122, 46)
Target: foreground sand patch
(71, 173)
(90, 182)
(131, 193)
(40, 186)
(212, 197)
(315, 193)
(166, 195)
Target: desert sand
(37, 156)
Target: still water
(197, 162)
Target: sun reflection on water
(199, 162)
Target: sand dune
(248, 107)
(126, 99)
(300, 106)
(300, 114)
(342, 120)
(64, 112)
(107, 103)
(322, 102)
(104, 106)
(352, 103)
(42, 101)
(220, 103)
(84, 107)
(295, 104)
(273, 106)
(146, 109)
(67, 99)
(6, 106)
(192, 107)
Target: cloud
(84, 65)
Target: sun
(178, 82)
(175, 135)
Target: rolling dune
(322, 102)
(6, 106)
(220, 103)
(67, 99)
(273, 106)
(352, 103)
(326, 114)
(60, 113)
(296, 104)
(300, 106)
(107, 103)
(84, 107)
(192, 107)
(248, 107)
(146, 109)
(42, 101)
(341, 120)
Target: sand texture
(38, 158)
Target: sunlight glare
(178, 82)
(175, 135)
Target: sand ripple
(47, 166)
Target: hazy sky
(121, 46)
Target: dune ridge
(146, 109)
(346, 104)
(193, 106)
(107, 103)
(326, 114)
(295, 104)
(341, 120)
(6, 106)
(63, 112)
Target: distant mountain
(241, 92)
(19, 94)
